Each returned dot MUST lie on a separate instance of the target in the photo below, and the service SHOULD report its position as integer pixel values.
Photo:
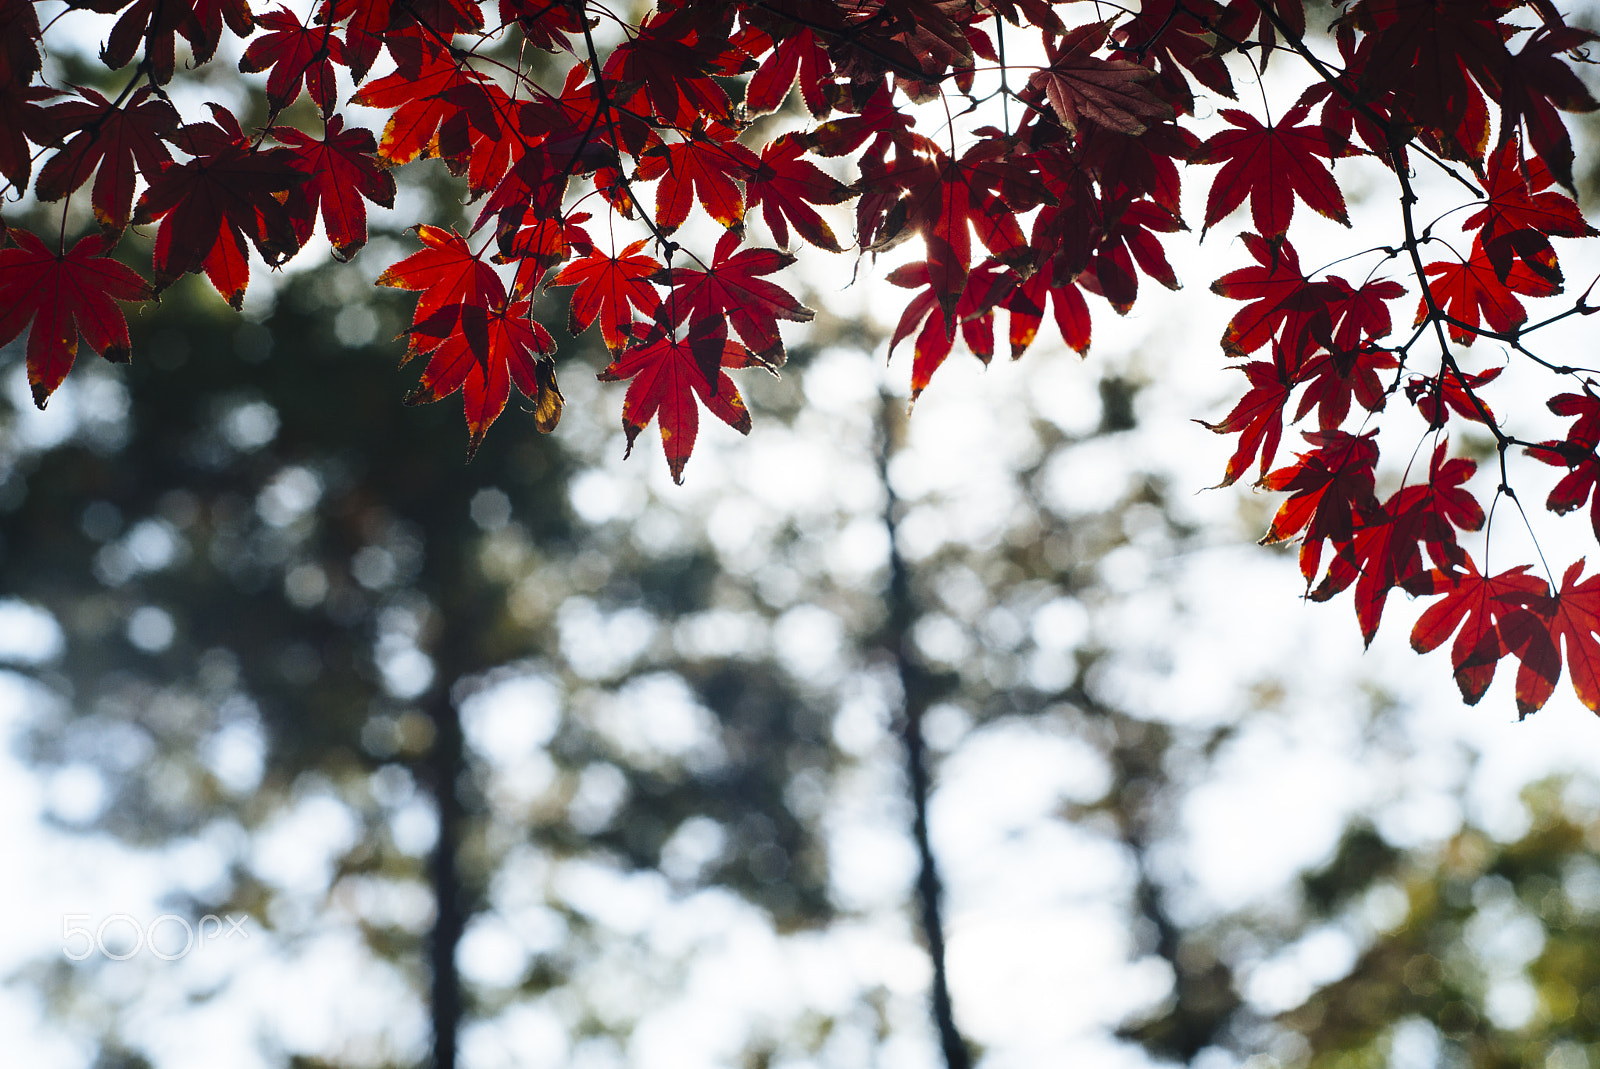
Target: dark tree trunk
(915, 688)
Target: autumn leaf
(1283, 302)
(1472, 609)
(1331, 493)
(785, 187)
(447, 273)
(341, 174)
(1081, 86)
(481, 352)
(702, 167)
(732, 288)
(1258, 417)
(1271, 165)
(1570, 619)
(62, 295)
(208, 205)
(669, 373)
(120, 142)
(297, 55)
(609, 289)
(1473, 292)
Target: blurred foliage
(275, 586)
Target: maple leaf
(113, 140)
(298, 55)
(670, 76)
(340, 171)
(1026, 304)
(1330, 493)
(1361, 315)
(63, 295)
(1271, 165)
(1283, 300)
(1174, 37)
(1258, 417)
(157, 23)
(1129, 238)
(1107, 92)
(23, 120)
(785, 187)
(1476, 605)
(211, 203)
(1473, 292)
(448, 273)
(704, 166)
(545, 24)
(1435, 395)
(19, 44)
(609, 289)
(1577, 452)
(541, 246)
(1336, 378)
(420, 104)
(1521, 211)
(731, 289)
(1385, 553)
(799, 56)
(1432, 58)
(934, 342)
(481, 352)
(668, 373)
(1572, 619)
(1535, 85)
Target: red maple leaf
(1282, 300)
(934, 342)
(211, 203)
(481, 352)
(1535, 85)
(448, 273)
(156, 24)
(1476, 604)
(1330, 492)
(785, 187)
(341, 170)
(114, 140)
(1571, 618)
(1258, 417)
(1107, 92)
(1473, 292)
(705, 166)
(63, 295)
(298, 55)
(731, 289)
(669, 78)
(1026, 305)
(800, 55)
(419, 102)
(1385, 552)
(1436, 395)
(609, 289)
(21, 120)
(1271, 165)
(1336, 378)
(668, 374)
(1577, 452)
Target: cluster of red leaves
(550, 127)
